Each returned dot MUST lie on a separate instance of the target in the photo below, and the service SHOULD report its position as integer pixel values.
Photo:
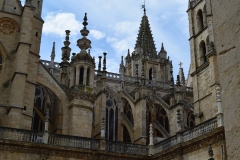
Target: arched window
(150, 74)
(162, 118)
(148, 121)
(111, 118)
(200, 23)
(126, 135)
(128, 112)
(74, 75)
(45, 98)
(190, 119)
(88, 77)
(203, 52)
(81, 75)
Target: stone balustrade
(20, 135)
(200, 129)
(128, 148)
(73, 141)
(118, 147)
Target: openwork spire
(145, 39)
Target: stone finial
(210, 152)
(150, 135)
(122, 61)
(218, 94)
(66, 42)
(99, 63)
(104, 61)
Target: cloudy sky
(114, 26)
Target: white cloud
(97, 34)
(127, 27)
(57, 22)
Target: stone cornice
(200, 68)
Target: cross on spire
(180, 64)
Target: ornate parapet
(14, 141)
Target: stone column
(77, 75)
(219, 104)
(46, 134)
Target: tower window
(150, 74)
(36, 34)
(81, 75)
(203, 52)
(200, 23)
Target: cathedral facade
(76, 109)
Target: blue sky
(114, 26)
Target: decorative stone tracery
(8, 26)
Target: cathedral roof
(145, 39)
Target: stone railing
(165, 144)
(48, 64)
(200, 129)
(96, 144)
(73, 141)
(20, 135)
(185, 136)
(126, 148)
(114, 76)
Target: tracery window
(190, 119)
(128, 112)
(43, 98)
(111, 118)
(162, 118)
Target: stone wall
(227, 42)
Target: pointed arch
(202, 52)
(200, 21)
(45, 98)
(111, 115)
(190, 119)
(162, 118)
(127, 110)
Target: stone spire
(53, 53)
(181, 75)
(65, 58)
(163, 52)
(145, 40)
